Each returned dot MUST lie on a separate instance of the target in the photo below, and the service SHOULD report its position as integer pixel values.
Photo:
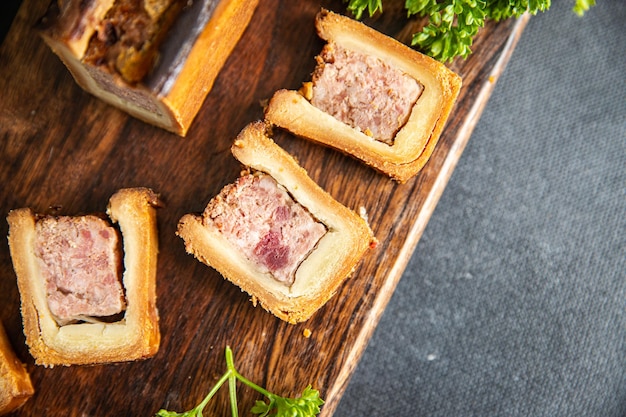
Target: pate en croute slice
(157, 60)
(15, 384)
(370, 97)
(275, 233)
(88, 291)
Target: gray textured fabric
(514, 303)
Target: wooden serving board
(62, 148)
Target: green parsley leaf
(582, 6)
(451, 28)
(308, 404)
(504, 9)
(358, 7)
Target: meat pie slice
(155, 59)
(370, 97)
(87, 297)
(15, 385)
(275, 233)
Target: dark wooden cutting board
(62, 148)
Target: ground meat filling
(127, 40)
(261, 219)
(79, 258)
(363, 92)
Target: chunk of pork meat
(363, 92)
(80, 262)
(261, 219)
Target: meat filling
(129, 37)
(363, 92)
(80, 262)
(261, 219)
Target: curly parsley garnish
(307, 405)
(453, 24)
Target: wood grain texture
(61, 149)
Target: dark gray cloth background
(514, 302)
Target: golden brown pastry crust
(134, 337)
(15, 384)
(319, 276)
(176, 108)
(415, 141)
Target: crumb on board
(306, 333)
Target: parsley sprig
(582, 6)
(453, 24)
(307, 405)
